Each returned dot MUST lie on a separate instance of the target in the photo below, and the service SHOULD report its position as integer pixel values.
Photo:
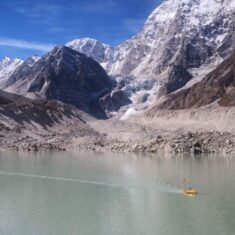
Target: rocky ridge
(178, 33)
(217, 87)
(66, 75)
(100, 52)
(181, 41)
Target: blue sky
(32, 27)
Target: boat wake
(162, 187)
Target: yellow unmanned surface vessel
(190, 192)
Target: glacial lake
(115, 194)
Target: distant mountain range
(182, 44)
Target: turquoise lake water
(115, 194)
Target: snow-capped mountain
(178, 35)
(94, 49)
(22, 69)
(7, 67)
(66, 75)
(196, 30)
(180, 43)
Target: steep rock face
(7, 68)
(94, 49)
(115, 100)
(218, 86)
(179, 26)
(182, 40)
(65, 75)
(178, 35)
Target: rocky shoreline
(195, 143)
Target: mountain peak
(59, 48)
(7, 68)
(197, 27)
(66, 75)
(6, 60)
(196, 11)
(98, 51)
(86, 40)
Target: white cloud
(10, 42)
(43, 14)
(47, 11)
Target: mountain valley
(169, 88)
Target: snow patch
(7, 68)
(100, 52)
(130, 112)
